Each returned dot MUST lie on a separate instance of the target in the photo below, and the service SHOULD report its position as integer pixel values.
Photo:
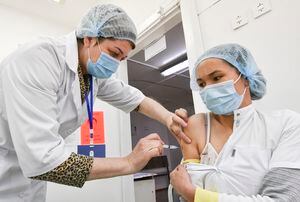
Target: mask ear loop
(244, 92)
(89, 53)
(100, 49)
(237, 81)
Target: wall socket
(261, 7)
(239, 21)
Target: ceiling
(172, 91)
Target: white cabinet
(144, 190)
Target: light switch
(239, 21)
(261, 7)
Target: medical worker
(238, 153)
(47, 89)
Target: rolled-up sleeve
(30, 82)
(119, 94)
(73, 172)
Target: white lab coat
(40, 105)
(259, 142)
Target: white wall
(18, 27)
(140, 11)
(273, 39)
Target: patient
(236, 149)
(226, 91)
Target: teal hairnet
(242, 60)
(106, 21)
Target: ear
(89, 42)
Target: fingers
(185, 138)
(179, 169)
(182, 113)
(179, 135)
(179, 120)
(144, 150)
(154, 152)
(182, 183)
(176, 131)
(175, 172)
(155, 147)
(153, 136)
(152, 144)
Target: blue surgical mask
(104, 67)
(222, 98)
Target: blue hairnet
(106, 21)
(242, 60)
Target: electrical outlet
(239, 21)
(261, 7)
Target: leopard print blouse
(84, 81)
(75, 170)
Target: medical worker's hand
(181, 182)
(175, 124)
(147, 148)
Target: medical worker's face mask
(222, 98)
(104, 67)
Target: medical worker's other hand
(181, 182)
(147, 148)
(175, 124)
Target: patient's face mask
(104, 67)
(222, 98)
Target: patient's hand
(181, 182)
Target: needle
(167, 146)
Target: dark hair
(100, 39)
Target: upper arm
(195, 131)
(282, 184)
(279, 184)
(119, 94)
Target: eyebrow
(210, 74)
(119, 50)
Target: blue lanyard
(89, 105)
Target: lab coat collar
(244, 112)
(72, 51)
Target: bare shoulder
(195, 131)
(195, 126)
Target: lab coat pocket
(250, 165)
